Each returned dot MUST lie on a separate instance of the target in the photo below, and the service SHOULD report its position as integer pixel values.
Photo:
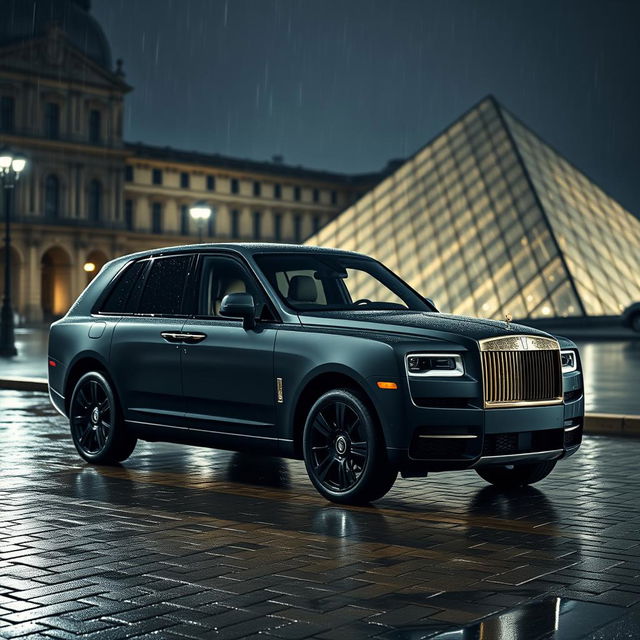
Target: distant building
(487, 219)
(88, 195)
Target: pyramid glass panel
(601, 241)
(487, 219)
(458, 221)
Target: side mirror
(432, 303)
(239, 305)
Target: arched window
(95, 200)
(52, 196)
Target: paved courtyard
(196, 543)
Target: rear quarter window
(122, 296)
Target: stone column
(33, 277)
(78, 278)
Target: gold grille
(520, 371)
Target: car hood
(441, 326)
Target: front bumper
(454, 437)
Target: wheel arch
(316, 385)
(83, 363)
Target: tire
(97, 428)
(344, 451)
(635, 322)
(516, 475)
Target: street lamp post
(201, 212)
(11, 166)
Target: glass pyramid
(487, 219)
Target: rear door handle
(179, 337)
(172, 336)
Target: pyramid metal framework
(487, 219)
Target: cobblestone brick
(181, 542)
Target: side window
(122, 296)
(220, 277)
(164, 287)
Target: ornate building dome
(25, 19)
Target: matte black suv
(308, 353)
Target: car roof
(243, 248)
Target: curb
(612, 424)
(601, 424)
(25, 384)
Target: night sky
(347, 85)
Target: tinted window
(164, 287)
(120, 299)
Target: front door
(227, 371)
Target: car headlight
(569, 360)
(434, 364)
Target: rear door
(227, 371)
(146, 348)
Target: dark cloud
(347, 84)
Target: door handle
(171, 336)
(193, 338)
(188, 338)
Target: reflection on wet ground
(551, 618)
(183, 542)
(611, 376)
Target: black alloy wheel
(344, 451)
(96, 428)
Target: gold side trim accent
(279, 390)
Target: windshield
(334, 282)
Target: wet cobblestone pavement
(182, 542)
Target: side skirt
(155, 432)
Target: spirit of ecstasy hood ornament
(508, 318)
